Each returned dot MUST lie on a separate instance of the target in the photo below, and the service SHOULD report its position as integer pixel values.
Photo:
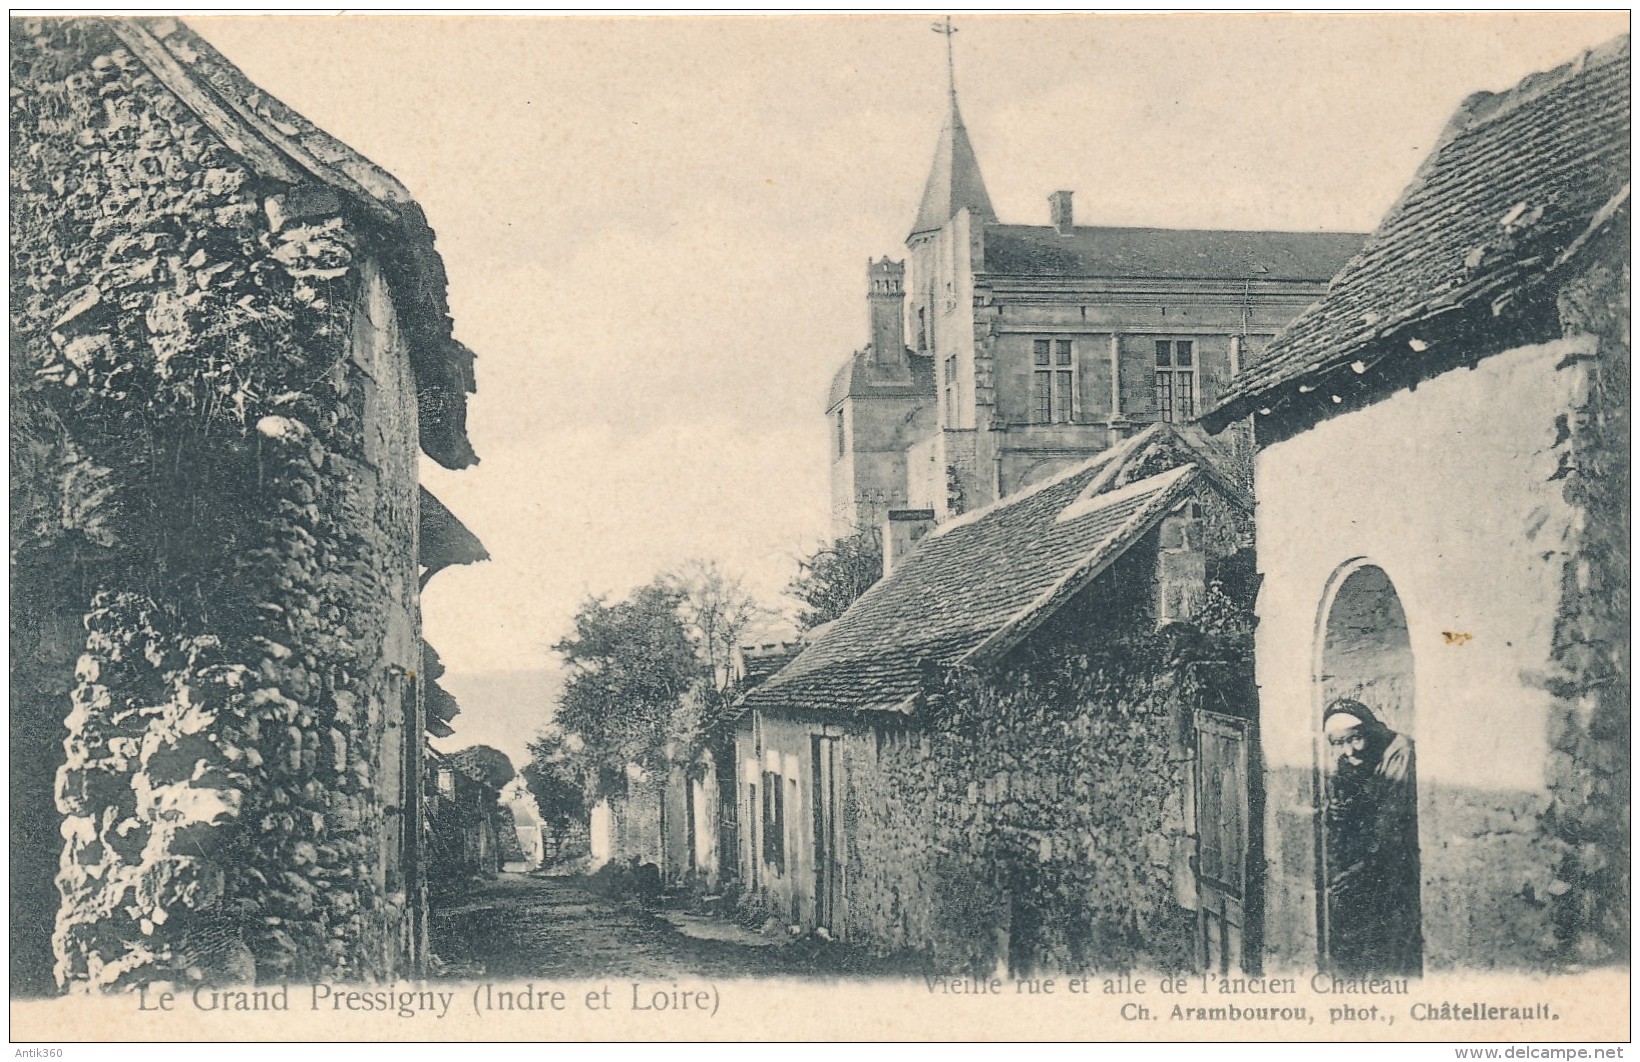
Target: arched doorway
(1367, 822)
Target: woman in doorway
(1372, 845)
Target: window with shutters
(774, 822)
(1053, 381)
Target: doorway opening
(1367, 828)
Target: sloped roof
(976, 584)
(1194, 254)
(444, 539)
(441, 705)
(1517, 178)
(857, 378)
(954, 181)
(283, 146)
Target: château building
(1000, 355)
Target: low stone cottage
(1028, 743)
(1443, 527)
(230, 347)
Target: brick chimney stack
(1060, 213)
(885, 295)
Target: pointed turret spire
(954, 182)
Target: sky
(656, 231)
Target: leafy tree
(629, 664)
(555, 777)
(717, 609)
(829, 580)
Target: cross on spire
(954, 183)
(946, 30)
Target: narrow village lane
(523, 926)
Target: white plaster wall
(1447, 488)
(600, 835)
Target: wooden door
(828, 871)
(1228, 852)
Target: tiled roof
(857, 378)
(973, 580)
(1517, 178)
(1193, 254)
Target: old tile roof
(977, 583)
(1517, 178)
(1183, 254)
(857, 378)
(954, 181)
(284, 147)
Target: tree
(718, 610)
(829, 580)
(629, 664)
(485, 764)
(555, 778)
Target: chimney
(885, 295)
(1059, 212)
(900, 534)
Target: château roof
(954, 182)
(1185, 254)
(1517, 183)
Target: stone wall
(1590, 725)
(219, 357)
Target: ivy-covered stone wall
(217, 440)
(1590, 768)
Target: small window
(842, 435)
(951, 391)
(922, 328)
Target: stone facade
(222, 378)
